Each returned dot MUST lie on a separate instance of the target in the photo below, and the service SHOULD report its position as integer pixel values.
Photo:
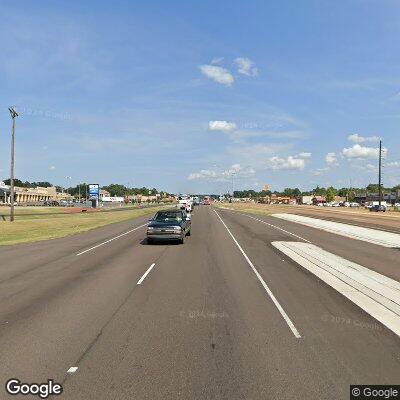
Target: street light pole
(66, 189)
(233, 177)
(380, 173)
(14, 115)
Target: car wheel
(182, 240)
(188, 234)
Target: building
(319, 199)
(4, 193)
(390, 198)
(307, 200)
(140, 198)
(104, 193)
(25, 195)
(339, 199)
(275, 199)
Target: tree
(373, 188)
(330, 193)
(41, 184)
(78, 189)
(396, 188)
(17, 182)
(116, 190)
(318, 191)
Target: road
(388, 221)
(224, 316)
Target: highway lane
(375, 257)
(21, 258)
(56, 310)
(388, 221)
(200, 324)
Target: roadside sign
(94, 191)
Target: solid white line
(72, 370)
(277, 227)
(145, 274)
(267, 289)
(110, 240)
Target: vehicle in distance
(207, 201)
(169, 225)
(185, 203)
(377, 208)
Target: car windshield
(166, 216)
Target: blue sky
(190, 96)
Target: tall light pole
(380, 173)
(14, 115)
(68, 178)
(233, 177)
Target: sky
(201, 97)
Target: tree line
(329, 192)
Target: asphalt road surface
(224, 316)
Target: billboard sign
(94, 191)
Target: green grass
(55, 225)
(30, 212)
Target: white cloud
(277, 163)
(203, 174)
(217, 60)
(358, 151)
(304, 155)
(246, 66)
(356, 138)
(218, 74)
(320, 171)
(52, 168)
(238, 169)
(224, 175)
(223, 126)
(255, 154)
(331, 159)
(395, 164)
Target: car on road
(169, 225)
(378, 208)
(185, 202)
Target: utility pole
(14, 115)
(233, 177)
(380, 173)
(66, 189)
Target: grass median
(55, 225)
(253, 208)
